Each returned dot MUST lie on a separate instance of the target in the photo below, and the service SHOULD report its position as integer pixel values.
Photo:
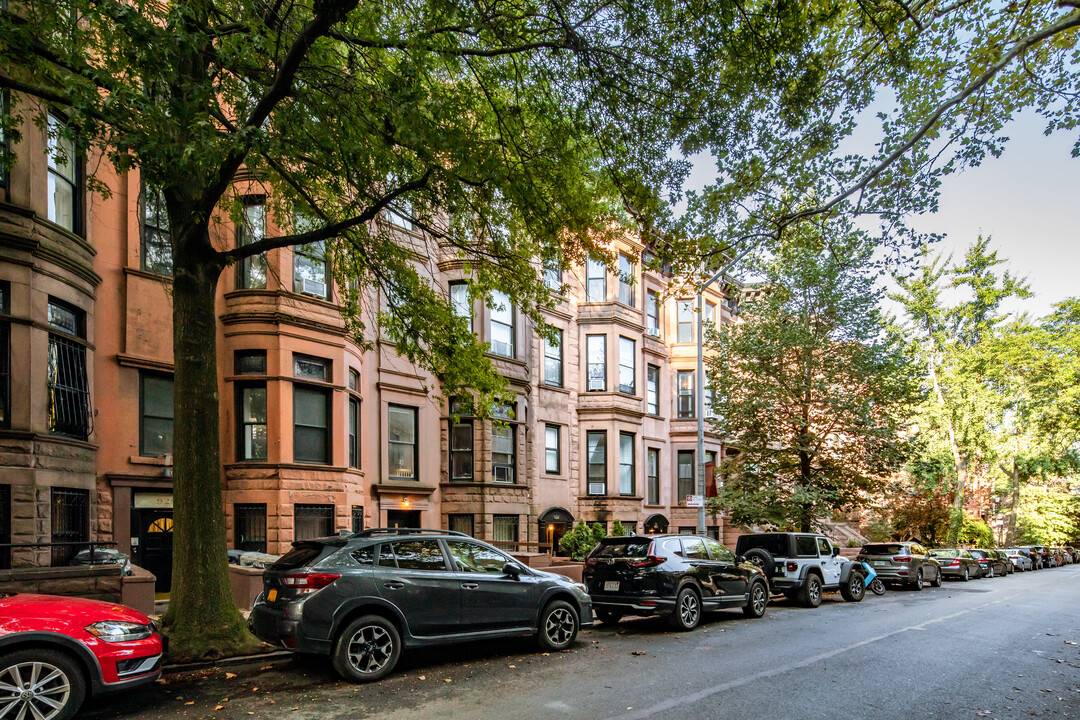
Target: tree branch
(327, 13)
(327, 231)
(1068, 22)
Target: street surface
(995, 648)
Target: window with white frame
(461, 302)
(595, 281)
(596, 461)
(401, 442)
(501, 325)
(552, 458)
(626, 281)
(553, 277)
(652, 313)
(596, 362)
(686, 321)
(626, 463)
(710, 315)
(627, 366)
(310, 270)
(652, 479)
(252, 270)
(652, 390)
(685, 387)
(553, 365)
(64, 192)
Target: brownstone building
(318, 434)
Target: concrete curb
(274, 656)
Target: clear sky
(1028, 202)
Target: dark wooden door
(154, 551)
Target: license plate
(880, 563)
(271, 596)
(611, 585)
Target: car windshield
(623, 548)
(883, 549)
(945, 553)
(978, 553)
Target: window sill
(554, 388)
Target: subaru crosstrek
(364, 598)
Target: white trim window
(596, 361)
(595, 281)
(501, 325)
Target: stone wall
(96, 582)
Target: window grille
(312, 521)
(250, 521)
(70, 523)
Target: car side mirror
(835, 551)
(512, 570)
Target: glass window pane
(596, 353)
(402, 424)
(596, 281)
(310, 407)
(309, 368)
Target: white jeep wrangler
(803, 565)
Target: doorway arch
(553, 524)
(656, 524)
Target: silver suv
(803, 565)
(902, 563)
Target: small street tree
(809, 385)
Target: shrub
(581, 540)
(976, 533)
(617, 529)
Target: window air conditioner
(313, 287)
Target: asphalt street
(993, 648)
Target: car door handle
(470, 586)
(394, 585)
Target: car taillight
(649, 561)
(308, 582)
(955, 562)
(902, 558)
(792, 566)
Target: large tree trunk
(202, 618)
(1015, 504)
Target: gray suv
(902, 563)
(362, 599)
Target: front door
(830, 564)
(402, 518)
(154, 551)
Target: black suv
(362, 598)
(679, 576)
(803, 565)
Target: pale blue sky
(1027, 201)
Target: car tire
(687, 612)
(854, 590)
(810, 594)
(758, 600)
(966, 575)
(608, 617)
(936, 582)
(917, 584)
(559, 625)
(367, 649)
(763, 559)
(68, 689)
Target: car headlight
(118, 631)
(581, 586)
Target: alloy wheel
(688, 609)
(370, 649)
(814, 591)
(560, 626)
(760, 599)
(37, 690)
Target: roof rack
(406, 531)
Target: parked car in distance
(1042, 557)
(989, 565)
(1020, 558)
(365, 598)
(902, 563)
(677, 576)
(803, 566)
(957, 563)
(55, 651)
(1033, 557)
(1005, 560)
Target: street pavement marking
(692, 698)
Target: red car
(56, 650)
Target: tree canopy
(809, 386)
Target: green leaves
(810, 387)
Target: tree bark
(203, 620)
